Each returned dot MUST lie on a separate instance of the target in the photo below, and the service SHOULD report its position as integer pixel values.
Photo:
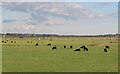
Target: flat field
(26, 57)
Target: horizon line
(62, 34)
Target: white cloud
(40, 12)
(40, 15)
(26, 27)
(50, 23)
(76, 6)
(101, 15)
(91, 16)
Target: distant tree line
(55, 35)
(20, 34)
(105, 35)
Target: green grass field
(25, 57)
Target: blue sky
(60, 18)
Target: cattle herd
(78, 49)
(7, 41)
(53, 48)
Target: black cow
(49, 44)
(71, 46)
(77, 50)
(11, 41)
(21, 37)
(84, 48)
(64, 46)
(107, 47)
(105, 50)
(2, 41)
(36, 44)
(54, 48)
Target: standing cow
(49, 44)
(71, 46)
(54, 48)
(36, 44)
(107, 47)
(85, 48)
(64, 46)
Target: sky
(74, 18)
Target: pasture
(26, 57)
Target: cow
(54, 48)
(14, 41)
(64, 46)
(49, 44)
(5, 42)
(36, 44)
(71, 46)
(77, 50)
(105, 50)
(21, 37)
(107, 47)
(11, 41)
(2, 41)
(84, 48)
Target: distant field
(25, 57)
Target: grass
(25, 57)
